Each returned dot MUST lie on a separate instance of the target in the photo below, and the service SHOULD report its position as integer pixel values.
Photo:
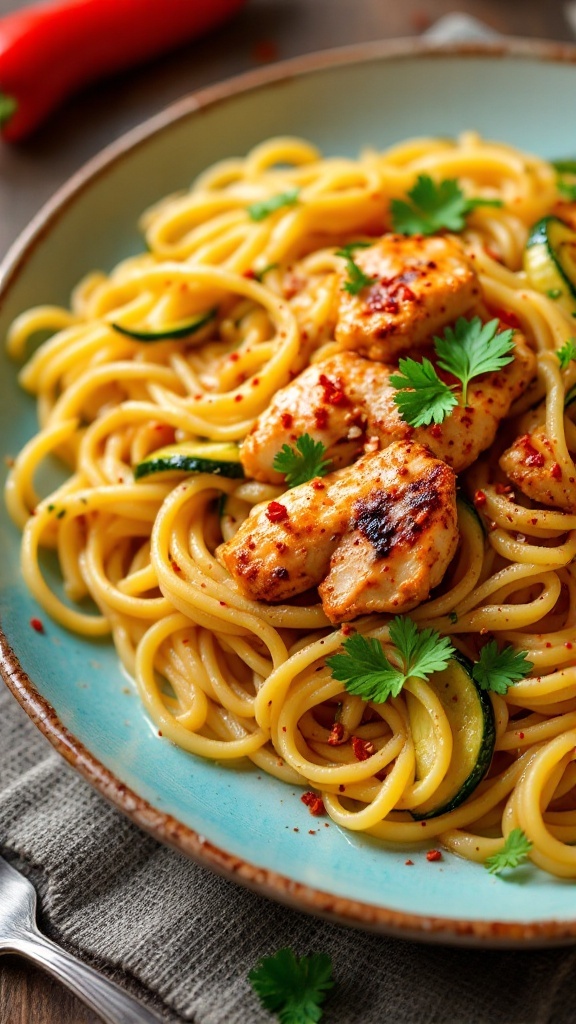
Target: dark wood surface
(29, 173)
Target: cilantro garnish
(429, 399)
(567, 353)
(302, 462)
(366, 671)
(498, 670)
(468, 350)
(260, 274)
(515, 850)
(357, 279)
(566, 188)
(293, 987)
(434, 206)
(264, 207)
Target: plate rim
(165, 827)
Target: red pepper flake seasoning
(250, 274)
(238, 398)
(37, 624)
(532, 457)
(175, 567)
(480, 498)
(433, 855)
(503, 489)
(286, 420)
(336, 736)
(520, 735)
(318, 484)
(314, 803)
(436, 430)
(556, 472)
(363, 749)
(311, 831)
(333, 393)
(233, 357)
(409, 863)
(568, 645)
(255, 382)
(321, 417)
(276, 512)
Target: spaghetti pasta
(236, 294)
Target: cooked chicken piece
(530, 463)
(347, 399)
(377, 536)
(421, 284)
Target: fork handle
(109, 1001)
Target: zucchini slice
(550, 261)
(219, 457)
(469, 711)
(178, 329)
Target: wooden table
(266, 29)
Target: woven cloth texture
(184, 939)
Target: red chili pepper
(51, 49)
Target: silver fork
(19, 934)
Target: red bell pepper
(50, 49)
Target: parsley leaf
(264, 207)
(366, 671)
(473, 348)
(434, 206)
(302, 462)
(293, 987)
(497, 670)
(567, 353)
(430, 400)
(357, 279)
(566, 186)
(515, 850)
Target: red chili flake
(480, 498)
(175, 567)
(255, 382)
(548, 644)
(314, 803)
(250, 274)
(434, 855)
(436, 430)
(159, 732)
(265, 51)
(568, 645)
(286, 420)
(347, 629)
(363, 749)
(37, 624)
(238, 398)
(321, 417)
(556, 472)
(520, 735)
(532, 457)
(336, 736)
(233, 357)
(503, 489)
(276, 512)
(333, 394)
(341, 788)
(505, 315)
(318, 484)
(409, 862)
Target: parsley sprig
(515, 850)
(293, 987)
(466, 351)
(434, 206)
(264, 207)
(357, 279)
(567, 353)
(566, 186)
(302, 462)
(497, 670)
(367, 672)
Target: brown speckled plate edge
(165, 827)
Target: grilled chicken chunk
(419, 285)
(377, 536)
(530, 463)
(347, 399)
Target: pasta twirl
(236, 294)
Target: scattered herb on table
(293, 987)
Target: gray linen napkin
(184, 939)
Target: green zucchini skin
(486, 745)
(182, 330)
(550, 260)
(220, 459)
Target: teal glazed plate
(252, 828)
